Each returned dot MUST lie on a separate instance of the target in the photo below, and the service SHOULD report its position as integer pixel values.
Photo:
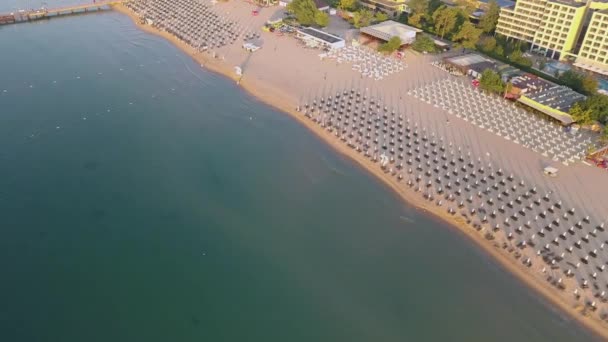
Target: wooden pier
(46, 13)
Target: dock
(47, 13)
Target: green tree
(589, 85)
(487, 44)
(445, 20)
(488, 21)
(490, 81)
(415, 19)
(418, 6)
(348, 5)
(604, 136)
(304, 11)
(321, 18)
(500, 51)
(582, 83)
(432, 6)
(517, 57)
(424, 43)
(598, 105)
(418, 11)
(580, 114)
(468, 6)
(380, 17)
(391, 46)
(468, 35)
(363, 18)
(403, 18)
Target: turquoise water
(144, 199)
(603, 84)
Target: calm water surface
(144, 199)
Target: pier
(46, 13)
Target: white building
(318, 37)
(388, 29)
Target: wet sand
(274, 82)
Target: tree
(598, 105)
(432, 6)
(418, 6)
(490, 81)
(304, 11)
(604, 136)
(500, 51)
(415, 19)
(468, 6)
(391, 46)
(581, 115)
(582, 83)
(589, 85)
(321, 18)
(488, 21)
(468, 35)
(517, 57)
(363, 18)
(380, 17)
(348, 5)
(424, 43)
(418, 11)
(403, 18)
(487, 44)
(445, 20)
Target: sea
(143, 198)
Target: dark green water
(181, 209)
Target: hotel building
(560, 29)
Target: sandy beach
(271, 77)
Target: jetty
(47, 13)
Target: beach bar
(324, 39)
(385, 30)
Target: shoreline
(279, 100)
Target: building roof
(324, 36)
(466, 60)
(530, 83)
(388, 29)
(482, 66)
(554, 101)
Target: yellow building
(390, 7)
(551, 26)
(560, 29)
(593, 54)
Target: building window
(584, 54)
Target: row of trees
(594, 108)
(362, 16)
(501, 48)
(583, 83)
(453, 22)
(307, 14)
